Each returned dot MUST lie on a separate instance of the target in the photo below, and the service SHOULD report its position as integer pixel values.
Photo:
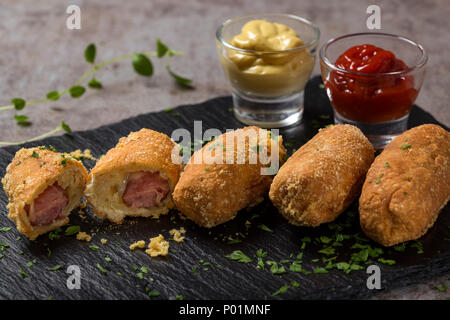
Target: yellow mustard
(269, 72)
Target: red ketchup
(371, 98)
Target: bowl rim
(312, 42)
(422, 61)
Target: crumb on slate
(177, 234)
(158, 247)
(83, 236)
(137, 244)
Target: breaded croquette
(226, 176)
(407, 186)
(135, 178)
(322, 178)
(43, 187)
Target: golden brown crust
(212, 193)
(407, 186)
(321, 179)
(144, 150)
(27, 176)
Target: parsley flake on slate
(102, 270)
(194, 270)
(327, 251)
(70, 231)
(55, 268)
(264, 227)
(320, 270)
(23, 274)
(239, 256)
(274, 268)
(418, 245)
(385, 261)
(282, 290)
(154, 293)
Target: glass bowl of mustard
(268, 59)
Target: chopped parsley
(50, 148)
(265, 228)
(239, 256)
(296, 266)
(154, 293)
(55, 268)
(385, 261)
(442, 288)
(102, 270)
(70, 231)
(327, 251)
(55, 234)
(23, 274)
(400, 247)
(405, 146)
(320, 270)
(194, 270)
(35, 155)
(94, 247)
(418, 245)
(274, 268)
(5, 229)
(282, 290)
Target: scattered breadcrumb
(176, 234)
(83, 204)
(157, 247)
(103, 241)
(137, 244)
(86, 154)
(81, 213)
(83, 236)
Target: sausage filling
(48, 206)
(145, 190)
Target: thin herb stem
(57, 129)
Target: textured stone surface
(40, 55)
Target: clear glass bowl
(268, 99)
(377, 103)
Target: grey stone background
(39, 54)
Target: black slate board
(173, 275)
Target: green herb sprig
(141, 64)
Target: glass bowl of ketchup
(372, 80)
